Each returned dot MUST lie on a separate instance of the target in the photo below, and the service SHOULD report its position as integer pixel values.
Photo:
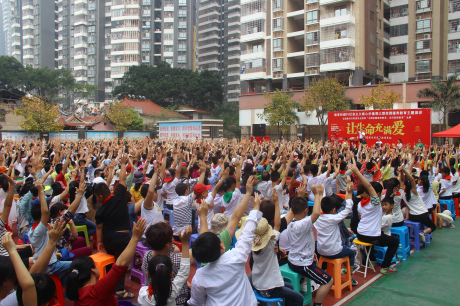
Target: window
(423, 25)
(372, 59)
(422, 66)
(277, 44)
(257, 48)
(380, 23)
(312, 17)
(214, 131)
(453, 66)
(399, 30)
(278, 24)
(277, 5)
(373, 38)
(312, 59)
(423, 46)
(380, 64)
(399, 49)
(312, 38)
(380, 44)
(182, 35)
(394, 68)
(372, 15)
(423, 5)
(182, 13)
(277, 64)
(182, 2)
(254, 26)
(182, 24)
(399, 11)
(340, 10)
(169, 61)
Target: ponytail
(408, 189)
(160, 269)
(80, 274)
(137, 186)
(72, 190)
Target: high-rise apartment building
(219, 43)
(2, 33)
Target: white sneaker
(304, 287)
(422, 237)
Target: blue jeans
(346, 251)
(61, 268)
(80, 219)
(291, 297)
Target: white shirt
(170, 189)
(83, 206)
(266, 273)
(302, 240)
(283, 199)
(224, 282)
(218, 204)
(447, 185)
(233, 204)
(210, 214)
(265, 188)
(177, 285)
(361, 134)
(456, 183)
(151, 216)
(416, 204)
(387, 222)
(314, 181)
(371, 218)
(328, 232)
(426, 197)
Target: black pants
(446, 198)
(424, 219)
(383, 240)
(115, 244)
(398, 224)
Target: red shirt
(101, 293)
(60, 178)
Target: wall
(205, 126)
(12, 122)
(103, 126)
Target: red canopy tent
(453, 132)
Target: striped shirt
(3, 231)
(182, 213)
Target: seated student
(302, 257)
(395, 192)
(328, 232)
(446, 184)
(183, 206)
(215, 283)
(266, 275)
(162, 290)
(387, 217)
(83, 284)
(317, 179)
(342, 177)
(265, 185)
(370, 225)
(233, 194)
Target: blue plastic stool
(294, 279)
(310, 204)
(268, 300)
(170, 213)
(234, 240)
(414, 229)
(403, 233)
(380, 255)
(450, 205)
(355, 192)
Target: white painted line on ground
(355, 292)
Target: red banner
(390, 125)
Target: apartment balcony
(82, 33)
(333, 18)
(247, 55)
(296, 54)
(81, 79)
(81, 67)
(80, 56)
(253, 73)
(335, 43)
(345, 65)
(253, 36)
(300, 33)
(329, 2)
(255, 16)
(81, 45)
(454, 54)
(82, 11)
(300, 14)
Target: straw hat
(264, 232)
(219, 223)
(446, 216)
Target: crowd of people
(218, 189)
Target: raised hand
(139, 228)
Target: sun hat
(260, 168)
(168, 177)
(446, 216)
(264, 232)
(199, 189)
(219, 223)
(138, 177)
(141, 167)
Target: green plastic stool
(84, 229)
(294, 278)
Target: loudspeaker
(453, 118)
(258, 130)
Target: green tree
(381, 97)
(39, 116)
(83, 91)
(120, 116)
(445, 96)
(323, 96)
(280, 111)
(230, 114)
(11, 74)
(168, 86)
(137, 124)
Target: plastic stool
(234, 240)
(170, 213)
(414, 230)
(294, 279)
(178, 244)
(380, 256)
(268, 300)
(457, 209)
(367, 249)
(450, 205)
(403, 233)
(84, 229)
(310, 204)
(141, 250)
(336, 273)
(95, 241)
(101, 260)
(192, 239)
(59, 291)
(355, 192)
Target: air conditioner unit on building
(419, 57)
(426, 36)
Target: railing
(250, 51)
(253, 70)
(386, 35)
(333, 15)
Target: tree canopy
(323, 96)
(381, 97)
(39, 116)
(168, 86)
(40, 82)
(280, 111)
(120, 116)
(445, 96)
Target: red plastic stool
(457, 209)
(59, 291)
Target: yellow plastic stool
(84, 229)
(242, 221)
(367, 249)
